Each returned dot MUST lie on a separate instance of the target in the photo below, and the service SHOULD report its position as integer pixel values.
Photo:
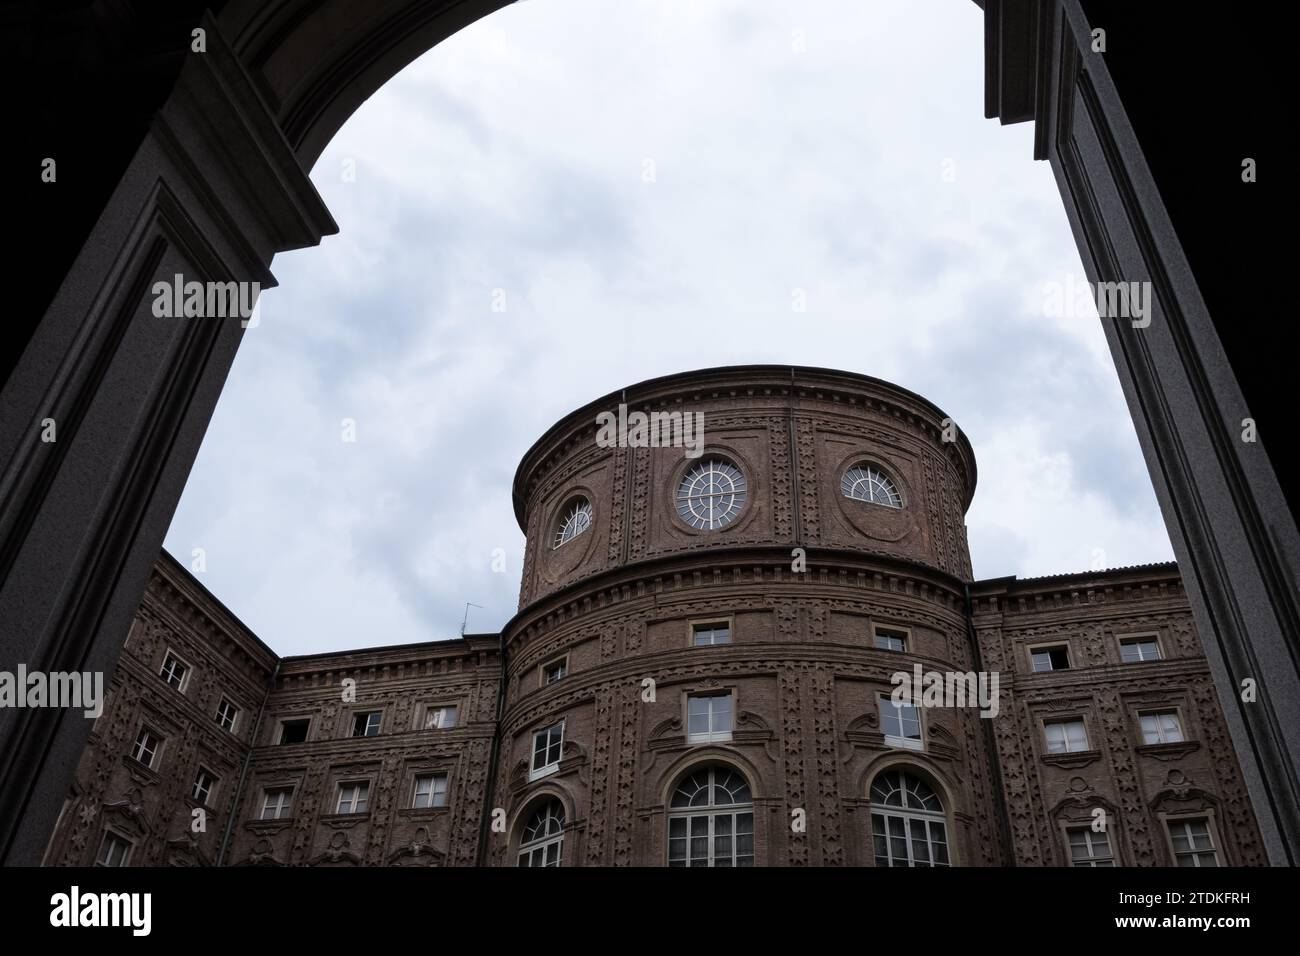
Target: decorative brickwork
(791, 698)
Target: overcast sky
(649, 184)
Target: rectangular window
(889, 639)
(366, 724)
(1161, 727)
(227, 715)
(146, 747)
(705, 635)
(294, 731)
(277, 803)
(354, 797)
(1089, 848)
(430, 790)
(1193, 843)
(1055, 658)
(174, 671)
(204, 781)
(440, 718)
(113, 850)
(708, 717)
(711, 839)
(554, 671)
(547, 744)
(907, 840)
(1135, 649)
(900, 723)
(1065, 736)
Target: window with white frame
(575, 519)
(900, 722)
(866, 482)
(1161, 727)
(708, 717)
(711, 819)
(908, 825)
(1065, 736)
(555, 671)
(1054, 658)
(430, 790)
(1193, 842)
(354, 797)
(366, 724)
(277, 803)
(541, 842)
(711, 494)
(204, 782)
(441, 717)
(146, 747)
(1089, 847)
(547, 744)
(114, 850)
(889, 639)
(706, 635)
(174, 671)
(1133, 650)
(227, 715)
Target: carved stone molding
(1070, 761)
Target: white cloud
(512, 157)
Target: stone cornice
(1166, 674)
(831, 571)
(348, 751)
(243, 131)
(1087, 589)
(301, 690)
(395, 656)
(716, 660)
(1014, 73)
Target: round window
(711, 495)
(574, 520)
(868, 483)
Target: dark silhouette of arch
(196, 162)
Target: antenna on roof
(465, 619)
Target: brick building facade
(699, 674)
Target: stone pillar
(212, 193)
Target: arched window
(868, 483)
(907, 821)
(711, 819)
(575, 519)
(711, 494)
(542, 841)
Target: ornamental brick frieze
(628, 749)
(668, 667)
(1164, 596)
(820, 582)
(617, 507)
(602, 756)
(781, 478)
(431, 743)
(1173, 673)
(1231, 789)
(638, 517)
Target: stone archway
(205, 175)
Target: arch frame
(922, 770)
(703, 758)
(217, 186)
(534, 800)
